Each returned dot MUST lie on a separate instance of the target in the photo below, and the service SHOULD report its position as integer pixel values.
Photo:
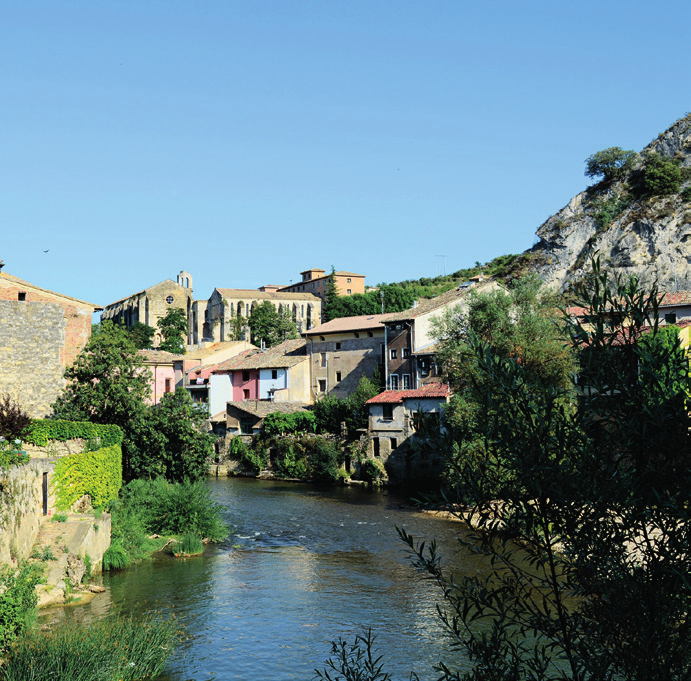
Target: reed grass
(116, 649)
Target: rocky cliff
(633, 229)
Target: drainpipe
(386, 360)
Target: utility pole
(439, 263)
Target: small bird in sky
(46, 251)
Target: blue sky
(245, 141)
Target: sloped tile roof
(11, 279)
(262, 408)
(265, 295)
(669, 298)
(283, 356)
(158, 356)
(210, 350)
(425, 392)
(343, 324)
(426, 305)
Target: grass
(191, 545)
(116, 649)
(59, 518)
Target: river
(303, 565)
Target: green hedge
(98, 474)
(41, 431)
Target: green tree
(173, 328)
(269, 326)
(612, 163)
(142, 335)
(331, 297)
(661, 177)
(171, 440)
(108, 383)
(579, 505)
(331, 412)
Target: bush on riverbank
(116, 649)
(18, 600)
(148, 507)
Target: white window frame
(394, 378)
(406, 379)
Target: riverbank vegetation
(115, 649)
(149, 513)
(579, 498)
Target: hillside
(639, 224)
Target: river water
(304, 565)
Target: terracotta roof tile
(358, 323)
(262, 408)
(265, 295)
(153, 356)
(397, 396)
(426, 305)
(287, 354)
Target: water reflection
(304, 565)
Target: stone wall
(21, 507)
(32, 340)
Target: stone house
(164, 374)
(315, 281)
(395, 417)
(247, 418)
(344, 350)
(226, 305)
(41, 334)
(203, 357)
(409, 337)
(278, 374)
(149, 305)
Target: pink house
(164, 376)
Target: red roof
(397, 396)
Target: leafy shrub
(59, 518)
(13, 420)
(610, 208)
(175, 508)
(325, 458)
(11, 455)
(279, 423)
(252, 456)
(98, 474)
(372, 470)
(115, 649)
(686, 194)
(661, 177)
(18, 599)
(41, 431)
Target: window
(671, 318)
(357, 335)
(167, 385)
(321, 338)
(393, 353)
(348, 282)
(274, 373)
(393, 382)
(424, 367)
(169, 300)
(394, 443)
(246, 426)
(338, 346)
(387, 412)
(322, 386)
(375, 446)
(406, 381)
(245, 394)
(406, 353)
(21, 296)
(245, 376)
(370, 334)
(338, 376)
(323, 358)
(349, 291)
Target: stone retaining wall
(21, 507)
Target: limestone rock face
(649, 236)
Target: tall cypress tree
(331, 297)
